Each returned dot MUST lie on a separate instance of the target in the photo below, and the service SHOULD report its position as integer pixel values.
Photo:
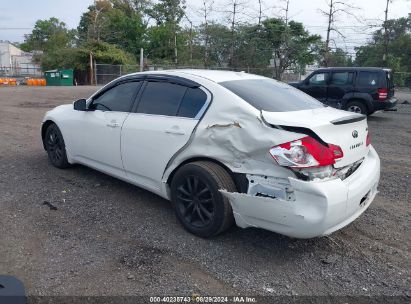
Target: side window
(161, 98)
(318, 79)
(119, 99)
(192, 103)
(342, 78)
(367, 79)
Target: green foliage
(339, 58)
(49, 35)
(79, 58)
(399, 50)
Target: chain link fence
(21, 71)
(104, 73)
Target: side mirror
(80, 105)
(306, 81)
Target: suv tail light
(382, 94)
(305, 153)
(368, 140)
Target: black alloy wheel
(198, 203)
(56, 149)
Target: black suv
(360, 90)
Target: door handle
(113, 124)
(175, 131)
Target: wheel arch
(363, 98)
(239, 179)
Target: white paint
(145, 149)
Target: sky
(18, 17)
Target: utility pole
(327, 41)
(385, 56)
(141, 59)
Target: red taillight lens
(368, 140)
(305, 152)
(382, 94)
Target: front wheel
(356, 107)
(198, 203)
(55, 147)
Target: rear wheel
(198, 203)
(55, 147)
(356, 107)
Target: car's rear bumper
(385, 105)
(319, 208)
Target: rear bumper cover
(384, 105)
(319, 207)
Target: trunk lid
(345, 129)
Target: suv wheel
(356, 107)
(198, 203)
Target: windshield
(271, 95)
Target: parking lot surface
(106, 237)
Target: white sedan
(224, 147)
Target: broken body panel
(239, 136)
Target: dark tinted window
(161, 98)
(318, 79)
(119, 98)
(270, 95)
(342, 78)
(368, 79)
(193, 101)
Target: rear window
(271, 95)
(368, 79)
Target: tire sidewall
(63, 162)
(218, 199)
(362, 106)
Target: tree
(339, 58)
(334, 9)
(48, 35)
(300, 50)
(78, 58)
(168, 14)
(399, 55)
(119, 22)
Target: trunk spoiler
(348, 119)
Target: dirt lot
(110, 238)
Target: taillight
(382, 94)
(305, 152)
(368, 140)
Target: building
(15, 63)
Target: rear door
(341, 83)
(159, 126)
(316, 86)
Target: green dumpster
(59, 77)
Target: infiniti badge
(355, 134)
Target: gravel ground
(110, 238)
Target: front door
(160, 125)
(99, 129)
(316, 86)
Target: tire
(198, 204)
(356, 107)
(55, 147)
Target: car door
(99, 129)
(340, 84)
(159, 126)
(316, 85)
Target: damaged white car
(224, 147)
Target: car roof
(212, 75)
(368, 69)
